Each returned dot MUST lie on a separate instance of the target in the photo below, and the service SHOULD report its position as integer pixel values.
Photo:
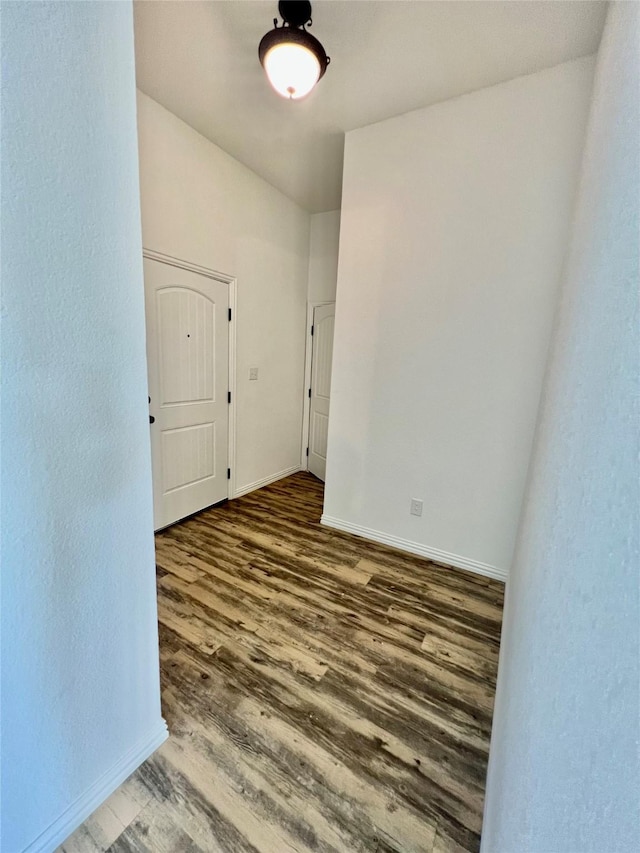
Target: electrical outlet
(253, 373)
(415, 507)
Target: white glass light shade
(293, 70)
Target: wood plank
(323, 693)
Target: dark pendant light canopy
(292, 58)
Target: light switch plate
(253, 373)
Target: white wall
(455, 221)
(201, 205)
(564, 772)
(80, 687)
(323, 256)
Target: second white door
(322, 350)
(187, 318)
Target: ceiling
(200, 61)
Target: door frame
(306, 405)
(231, 283)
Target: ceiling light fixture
(292, 58)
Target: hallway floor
(323, 693)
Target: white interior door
(323, 322)
(188, 364)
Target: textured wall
(80, 688)
(563, 769)
(454, 225)
(201, 205)
(323, 256)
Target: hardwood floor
(323, 693)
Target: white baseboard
(94, 796)
(416, 548)
(266, 481)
